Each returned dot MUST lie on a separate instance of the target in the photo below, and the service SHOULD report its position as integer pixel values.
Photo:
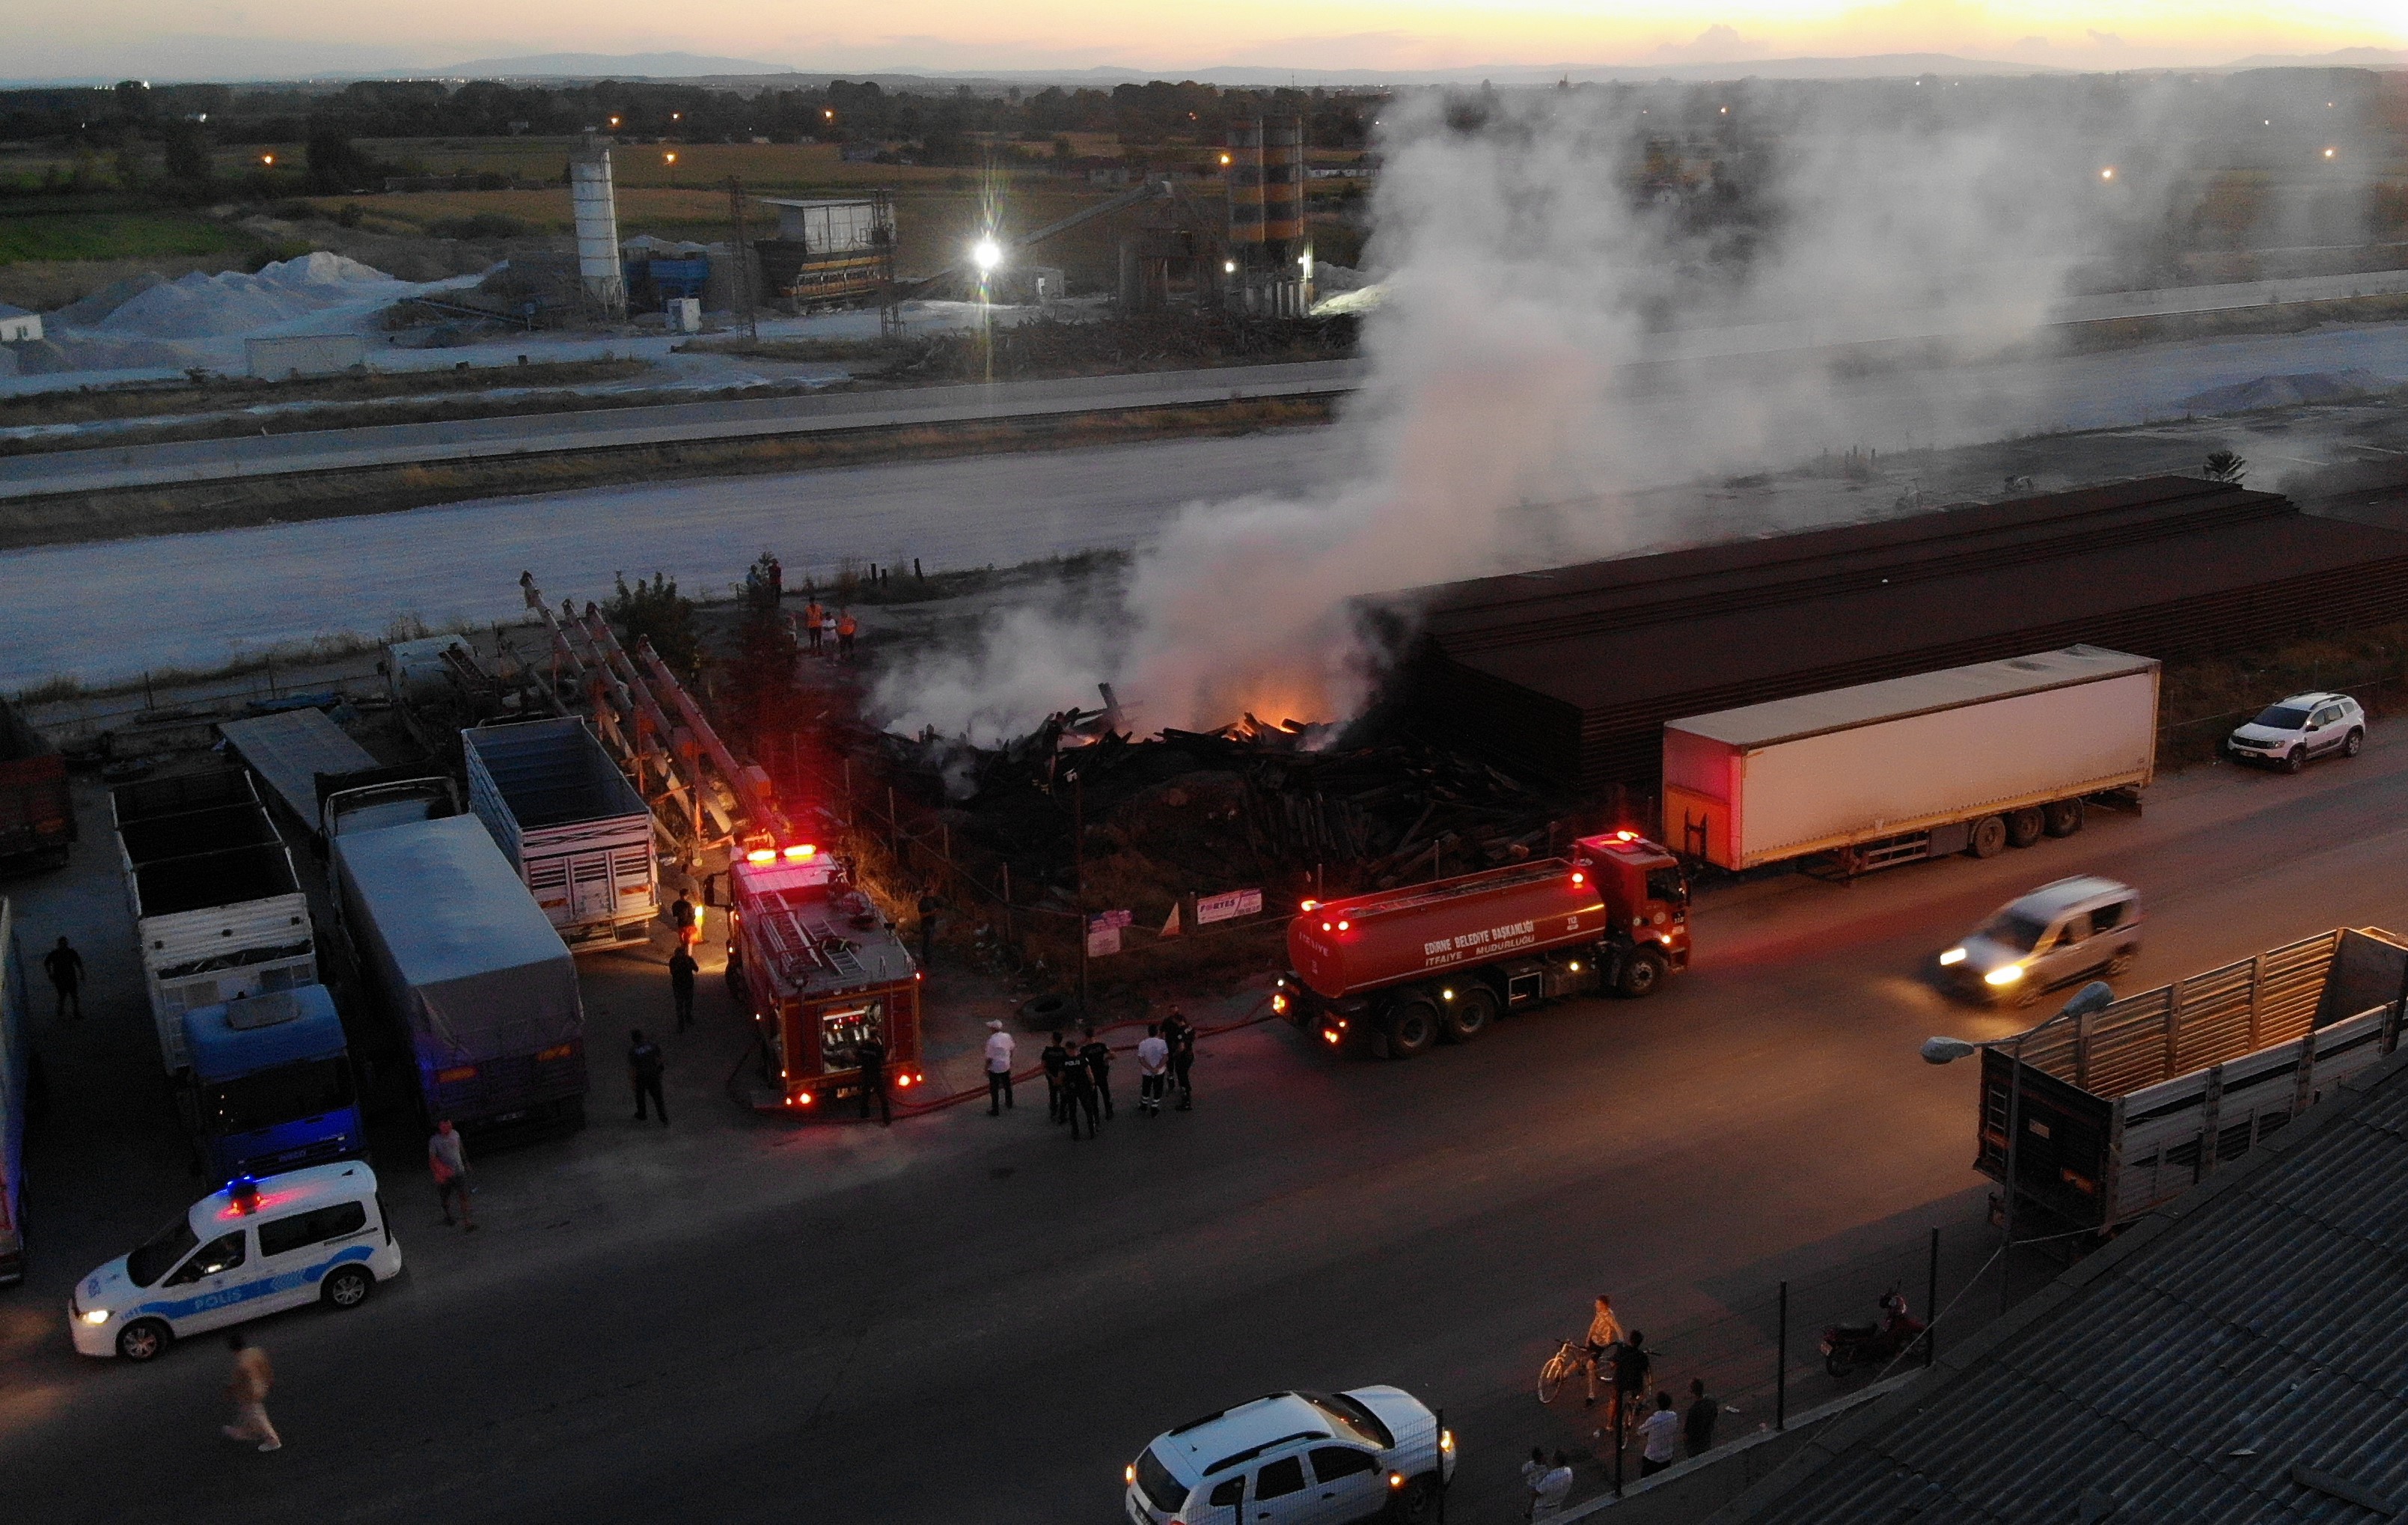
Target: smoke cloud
(1563, 271)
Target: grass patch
(220, 393)
(2209, 696)
(105, 236)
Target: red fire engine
(816, 965)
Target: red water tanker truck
(1396, 971)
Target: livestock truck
(38, 821)
(217, 906)
(576, 831)
(2133, 1105)
(271, 1085)
(1395, 971)
(1972, 760)
(460, 960)
(291, 753)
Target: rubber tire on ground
(1836, 1366)
(1641, 974)
(2024, 827)
(1415, 1501)
(145, 1339)
(1412, 1026)
(1470, 1013)
(2294, 759)
(1988, 838)
(347, 1286)
(2064, 817)
(2351, 747)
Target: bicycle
(1569, 1360)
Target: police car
(1295, 1459)
(314, 1236)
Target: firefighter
(1097, 1055)
(1079, 1096)
(846, 628)
(814, 621)
(1055, 1056)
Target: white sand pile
(220, 306)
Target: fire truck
(1395, 971)
(820, 971)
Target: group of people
(1079, 1079)
(1663, 1428)
(816, 626)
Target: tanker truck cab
(1397, 970)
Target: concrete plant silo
(596, 209)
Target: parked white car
(1295, 1459)
(2300, 728)
(314, 1236)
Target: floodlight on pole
(986, 254)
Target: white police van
(314, 1236)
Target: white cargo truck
(1969, 759)
(572, 826)
(219, 912)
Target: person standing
(871, 1055)
(1604, 1333)
(1079, 1096)
(682, 969)
(846, 628)
(814, 621)
(1554, 1486)
(1153, 1063)
(1179, 1034)
(1698, 1428)
(1630, 1365)
(1055, 1057)
(248, 1384)
(64, 966)
(998, 1069)
(644, 1067)
(1659, 1437)
(1532, 1470)
(682, 922)
(1097, 1055)
(448, 1164)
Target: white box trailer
(569, 821)
(1966, 759)
(290, 751)
(218, 909)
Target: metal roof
(2240, 1356)
(1841, 709)
(290, 750)
(262, 1031)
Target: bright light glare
(2108, 173)
(2005, 974)
(1953, 956)
(98, 1315)
(986, 253)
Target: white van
(314, 1236)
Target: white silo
(596, 207)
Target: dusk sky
(239, 38)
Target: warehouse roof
(1839, 709)
(2236, 1357)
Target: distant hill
(2345, 58)
(607, 65)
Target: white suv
(1295, 1459)
(2302, 726)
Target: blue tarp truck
(461, 959)
(271, 1086)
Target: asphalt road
(108, 611)
(975, 1318)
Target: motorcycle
(1846, 1347)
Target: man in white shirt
(998, 1069)
(1659, 1437)
(1547, 1495)
(1153, 1068)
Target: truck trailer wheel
(1641, 972)
(2064, 816)
(2024, 827)
(1989, 838)
(1412, 1026)
(1472, 1012)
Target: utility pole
(743, 257)
(1078, 850)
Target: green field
(52, 235)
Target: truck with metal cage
(576, 830)
(217, 906)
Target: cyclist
(1604, 1333)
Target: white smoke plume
(1511, 395)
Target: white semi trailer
(576, 830)
(1972, 760)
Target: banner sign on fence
(1229, 907)
(1104, 932)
